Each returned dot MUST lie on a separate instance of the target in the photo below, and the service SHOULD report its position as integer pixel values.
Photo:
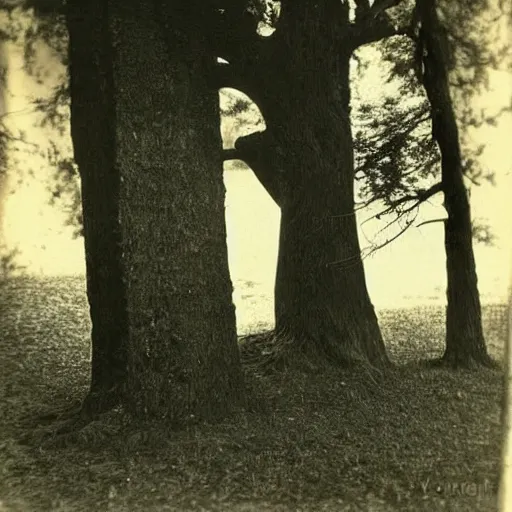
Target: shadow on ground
(420, 439)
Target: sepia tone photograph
(255, 255)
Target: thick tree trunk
(183, 357)
(321, 299)
(465, 344)
(93, 135)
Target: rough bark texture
(465, 344)
(182, 348)
(300, 81)
(93, 135)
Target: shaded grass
(417, 440)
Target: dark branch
(224, 75)
(231, 154)
(375, 30)
(425, 194)
(236, 39)
(380, 6)
(362, 10)
(408, 224)
(430, 222)
(260, 154)
(419, 197)
(373, 24)
(232, 76)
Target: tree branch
(225, 75)
(419, 197)
(374, 24)
(233, 76)
(258, 152)
(408, 224)
(380, 6)
(362, 10)
(376, 30)
(237, 38)
(430, 222)
(231, 154)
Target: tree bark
(321, 299)
(183, 358)
(465, 344)
(93, 135)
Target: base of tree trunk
(57, 414)
(60, 426)
(463, 361)
(96, 403)
(269, 352)
(71, 418)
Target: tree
(465, 344)
(299, 78)
(268, 155)
(449, 58)
(252, 55)
(145, 128)
(398, 160)
(93, 133)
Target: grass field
(420, 439)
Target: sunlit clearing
(252, 222)
(239, 116)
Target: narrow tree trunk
(183, 357)
(465, 344)
(93, 135)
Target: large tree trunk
(183, 358)
(465, 344)
(321, 299)
(93, 135)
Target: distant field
(418, 439)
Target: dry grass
(420, 439)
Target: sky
(410, 270)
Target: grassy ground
(422, 439)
